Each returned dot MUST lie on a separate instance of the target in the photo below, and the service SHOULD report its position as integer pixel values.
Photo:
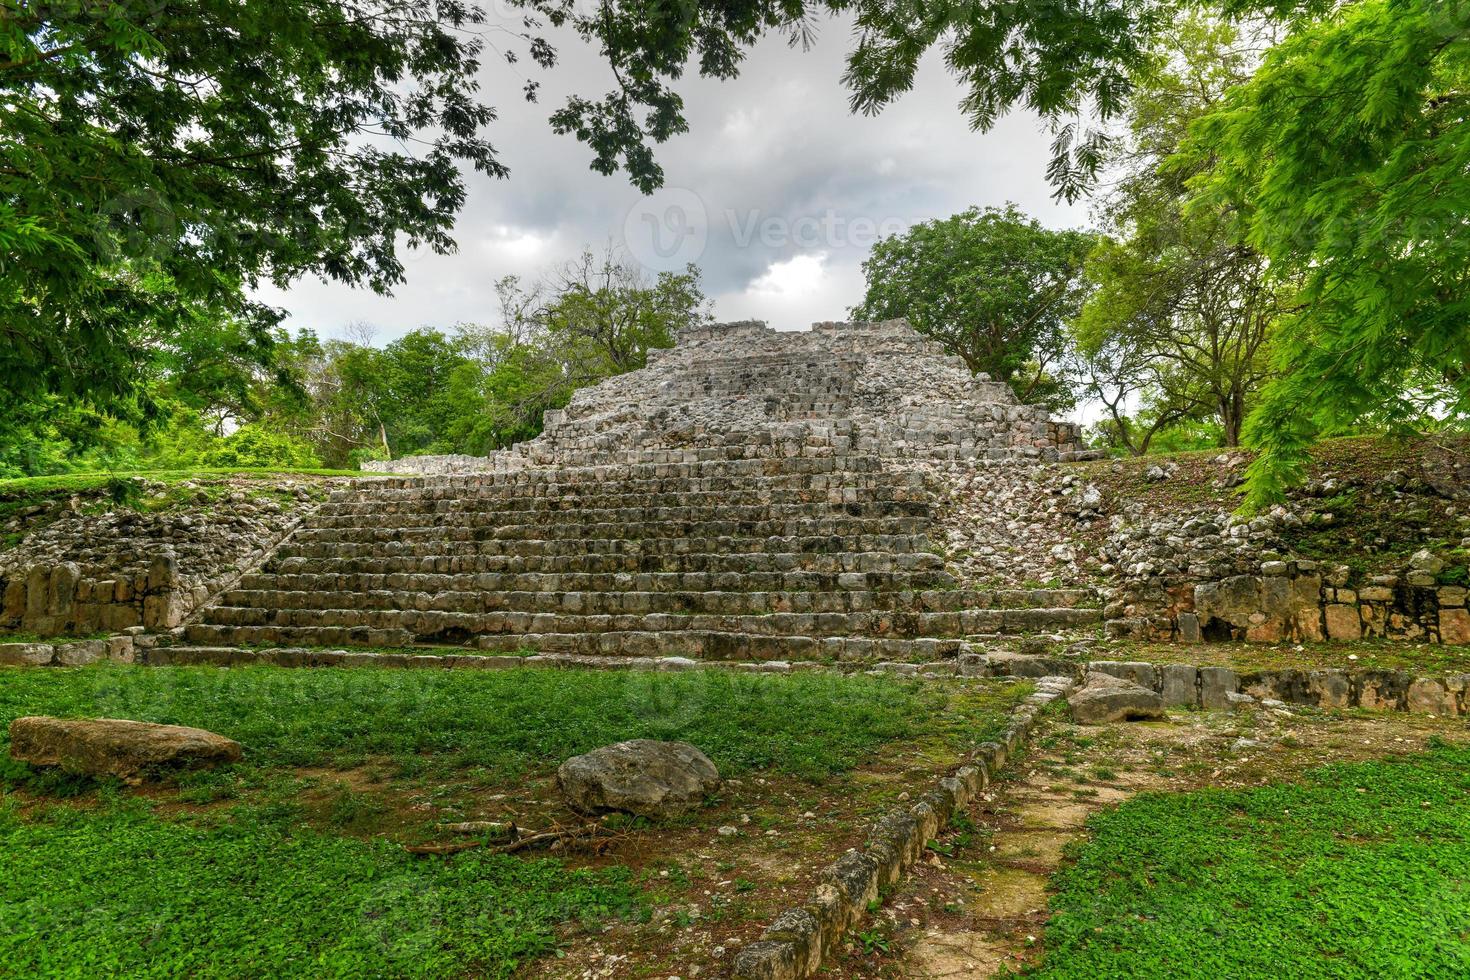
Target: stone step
(431, 625)
(858, 599)
(731, 564)
(730, 646)
(593, 547)
(708, 645)
(391, 575)
(602, 480)
(710, 465)
(569, 528)
(473, 513)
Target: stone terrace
(749, 495)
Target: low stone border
(796, 942)
(73, 653)
(1185, 685)
(967, 665)
(1180, 685)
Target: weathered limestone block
(1180, 685)
(1216, 686)
(1142, 674)
(1454, 626)
(1105, 698)
(38, 581)
(164, 611)
(114, 747)
(15, 600)
(163, 573)
(644, 777)
(1383, 690)
(1343, 622)
(81, 653)
(62, 591)
(26, 654)
(1330, 688)
(1429, 696)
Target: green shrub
(252, 445)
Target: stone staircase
(754, 502)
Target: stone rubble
(79, 573)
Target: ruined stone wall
(78, 573)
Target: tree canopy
(1344, 159)
(1183, 310)
(157, 158)
(992, 285)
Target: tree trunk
(1232, 417)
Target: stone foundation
(1294, 601)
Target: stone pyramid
(750, 494)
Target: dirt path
(978, 904)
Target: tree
(593, 318)
(1346, 159)
(156, 159)
(993, 286)
(480, 388)
(1183, 310)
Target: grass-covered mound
(1359, 870)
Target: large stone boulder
(643, 777)
(113, 747)
(1105, 698)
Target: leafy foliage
(258, 896)
(995, 287)
(1183, 311)
(1063, 60)
(1345, 159)
(1357, 871)
(159, 157)
(484, 388)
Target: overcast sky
(777, 192)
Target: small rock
(643, 777)
(1105, 699)
(1426, 561)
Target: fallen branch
(548, 838)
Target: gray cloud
(776, 146)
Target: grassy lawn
(501, 723)
(1359, 870)
(291, 863)
(117, 891)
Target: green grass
(116, 891)
(513, 722)
(1360, 870)
(274, 868)
(26, 486)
